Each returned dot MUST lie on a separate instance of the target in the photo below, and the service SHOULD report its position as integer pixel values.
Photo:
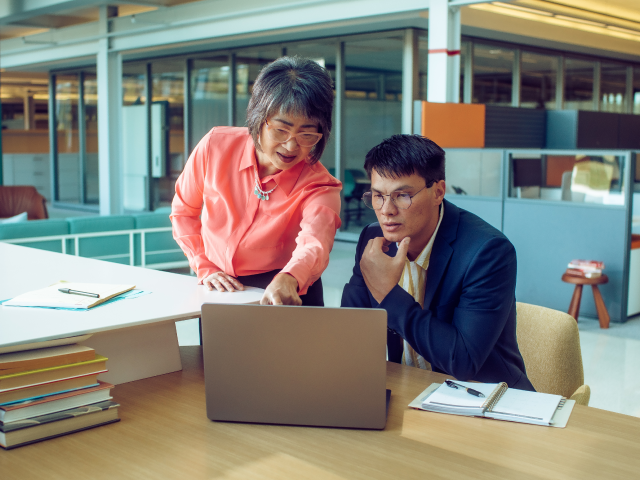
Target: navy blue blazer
(467, 328)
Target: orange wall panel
(454, 125)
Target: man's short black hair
(402, 155)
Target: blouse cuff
(302, 274)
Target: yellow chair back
(549, 342)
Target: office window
(578, 84)
(68, 153)
(133, 88)
(636, 90)
(538, 81)
(492, 74)
(423, 64)
(613, 87)
(249, 62)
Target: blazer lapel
(441, 251)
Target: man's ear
(439, 189)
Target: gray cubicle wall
(480, 174)
(547, 234)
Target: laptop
(310, 366)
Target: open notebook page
(51, 297)
(457, 401)
(527, 406)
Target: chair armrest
(582, 395)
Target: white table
(137, 335)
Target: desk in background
(137, 335)
(164, 433)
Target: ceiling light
(623, 30)
(522, 9)
(580, 20)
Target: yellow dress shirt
(414, 280)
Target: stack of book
(51, 391)
(584, 268)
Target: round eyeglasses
(304, 139)
(401, 200)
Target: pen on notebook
(80, 293)
(455, 385)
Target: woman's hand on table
(283, 290)
(222, 282)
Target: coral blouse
(222, 226)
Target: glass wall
(613, 87)
(578, 84)
(595, 179)
(68, 182)
(492, 74)
(538, 81)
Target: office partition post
(53, 138)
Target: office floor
(611, 357)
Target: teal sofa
(141, 239)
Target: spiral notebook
(500, 402)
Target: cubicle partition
(554, 206)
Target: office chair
(16, 199)
(352, 192)
(549, 342)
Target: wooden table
(164, 433)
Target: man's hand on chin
(382, 273)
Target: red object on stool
(574, 307)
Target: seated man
(445, 277)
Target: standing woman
(253, 206)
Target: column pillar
(109, 78)
(444, 52)
(410, 77)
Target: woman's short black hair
(296, 86)
(402, 155)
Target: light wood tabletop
(164, 433)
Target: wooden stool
(574, 307)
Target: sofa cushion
(113, 247)
(36, 228)
(157, 241)
(106, 223)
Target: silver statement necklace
(258, 192)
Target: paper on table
(52, 297)
(536, 408)
(449, 400)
